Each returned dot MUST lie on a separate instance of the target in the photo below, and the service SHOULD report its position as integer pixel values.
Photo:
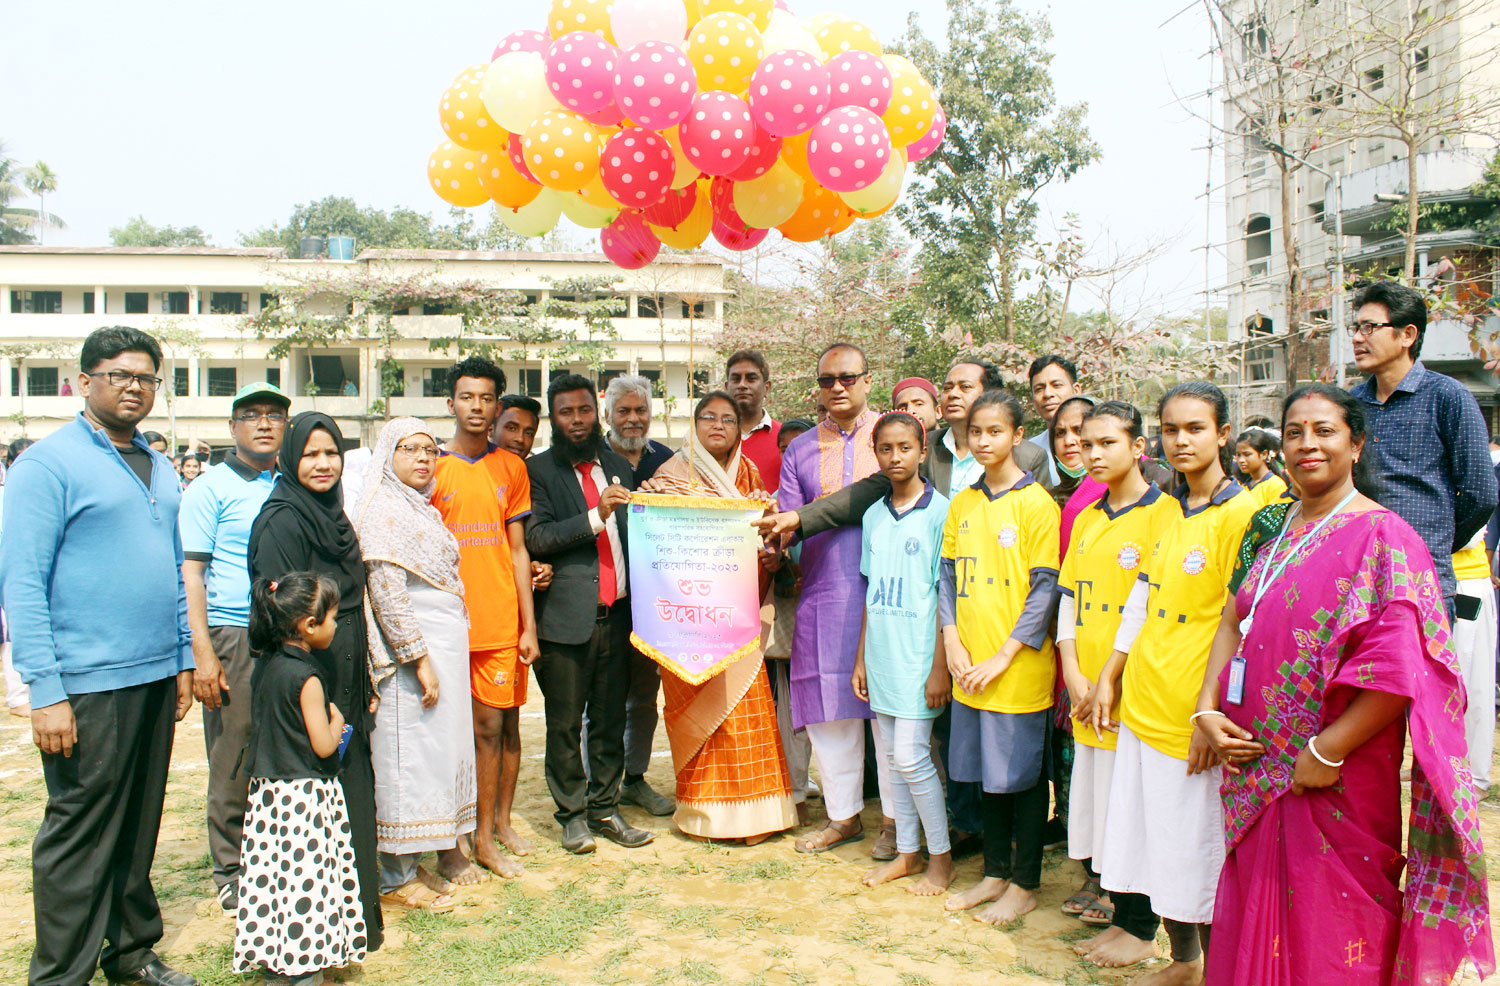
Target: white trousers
(1088, 800)
(839, 748)
(1474, 645)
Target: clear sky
(226, 117)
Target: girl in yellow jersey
(1165, 836)
(1255, 453)
(1110, 543)
(999, 579)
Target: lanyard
(1267, 576)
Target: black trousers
(357, 778)
(591, 678)
(1021, 817)
(1134, 916)
(91, 861)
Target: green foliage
(17, 224)
(400, 229)
(972, 204)
(137, 232)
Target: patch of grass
(213, 965)
(1021, 967)
(698, 971)
(912, 979)
(699, 916)
(761, 869)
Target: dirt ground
(676, 911)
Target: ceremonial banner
(694, 581)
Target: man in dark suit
(583, 620)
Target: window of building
(88, 302)
(1260, 357)
(701, 384)
(655, 377)
(531, 382)
(392, 378)
(223, 381)
(1258, 245)
(228, 303)
(179, 381)
(1421, 59)
(41, 381)
(36, 302)
(268, 299)
(1315, 211)
(15, 381)
(435, 382)
(137, 302)
(700, 309)
(648, 306)
(175, 302)
(1375, 79)
(434, 308)
(605, 376)
(273, 375)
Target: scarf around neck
(399, 524)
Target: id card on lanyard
(1236, 695)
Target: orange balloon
(794, 153)
(453, 172)
(502, 182)
(842, 220)
(692, 231)
(814, 217)
(465, 120)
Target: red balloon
(764, 149)
(627, 241)
(637, 167)
(721, 197)
(610, 116)
(732, 239)
(673, 209)
(523, 41)
(517, 154)
(717, 134)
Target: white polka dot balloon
(581, 71)
(637, 167)
(858, 78)
(654, 84)
(789, 92)
(848, 149)
(717, 134)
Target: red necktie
(606, 553)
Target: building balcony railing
(1442, 176)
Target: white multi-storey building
(1367, 174)
(200, 302)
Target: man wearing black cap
(217, 511)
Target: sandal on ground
(815, 843)
(1099, 914)
(884, 848)
(418, 896)
(1081, 901)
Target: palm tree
(40, 180)
(16, 223)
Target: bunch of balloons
(667, 121)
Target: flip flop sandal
(844, 838)
(1107, 910)
(884, 848)
(1079, 902)
(417, 896)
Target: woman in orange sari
(732, 777)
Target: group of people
(1197, 671)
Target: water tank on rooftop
(311, 247)
(341, 248)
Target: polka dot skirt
(299, 896)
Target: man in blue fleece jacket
(92, 588)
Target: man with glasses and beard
(91, 580)
(217, 512)
(579, 488)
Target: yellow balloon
(465, 120)
(567, 16)
(515, 90)
(794, 153)
(694, 11)
(692, 231)
(502, 182)
(687, 172)
(453, 172)
(814, 216)
(724, 50)
(842, 34)
(817, 22)
(786, 32)
(913, 104)
(758, 11)
(881, 193)
(536, 218)
(771, 199)
(562, 150)
(586, 214)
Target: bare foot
(987, 889)
(937, 879)
(1015, 902)
(755, 840)
(1087, 945)
(905, 864)
(1124, 949)
(517, 843)
(835, 833)
(1176, 974)
(488, 855)
(454, 865)
(433, 882)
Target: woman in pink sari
(1336, 638)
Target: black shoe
(229, 897)
(576, 838)
(641, 794)
(616, 829)
(154, 973)
(966, 844)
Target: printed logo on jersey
(449, 495)
(913, 546)
(1196, 559)
(1129, 556)
(1008, 536)
(500, 492)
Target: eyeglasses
(726, 421)
(1367, 328)
(419, 451)
(120, 379)
(251, 417)
(846, 379)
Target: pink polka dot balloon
(672, 210)
(637, 167)
(716, 136)
(929, 141)
(721, 197)
(789, 92)
(738, 240)
(627, 241)
(581, 71)
(848, 149)
(858, 78)
(609, 116)
(516, 149)
(522, 41)
(764, 150)
(654, 84)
